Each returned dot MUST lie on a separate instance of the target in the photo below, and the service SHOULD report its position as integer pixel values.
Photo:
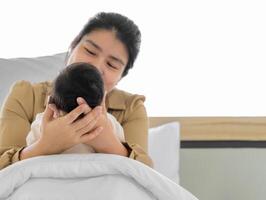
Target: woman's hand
(61, 133)
(106, 141)
(64, 132)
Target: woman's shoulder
(32, 96)
(22, 88)
(120, 99)
(23, 84)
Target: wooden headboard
(217, 128)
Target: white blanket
(92, 176)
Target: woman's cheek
(109, 86)
(110, 81)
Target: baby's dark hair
(77, 80)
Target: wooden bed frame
(217, 128)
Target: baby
(76, 80)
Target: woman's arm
(135, 127)
(106, 141)
(17, 114)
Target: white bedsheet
(93, 176)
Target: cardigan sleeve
(135, 127)
(15, 119)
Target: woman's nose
(101, 70)
(99, 64)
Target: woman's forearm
(112, 145)
(119, 149)
(113, 148)
(31, 151)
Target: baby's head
(77, 80)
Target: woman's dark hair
(126, 31)
(77, 80)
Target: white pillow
(163, 148)
(31, 69)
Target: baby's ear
(55, 110)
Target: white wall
(198, 58)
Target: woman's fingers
(90, 118)
(74, 114)
(81, 101)
(90, 126)
(91, 135)
(70, 130)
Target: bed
(94, 176)
(211, 157)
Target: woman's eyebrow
(117, 59)
(100, 49)
(94, 44)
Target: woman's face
(102, 49)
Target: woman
(110, 42)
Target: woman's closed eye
(90, 52)
(111, 65)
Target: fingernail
(79, 100)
